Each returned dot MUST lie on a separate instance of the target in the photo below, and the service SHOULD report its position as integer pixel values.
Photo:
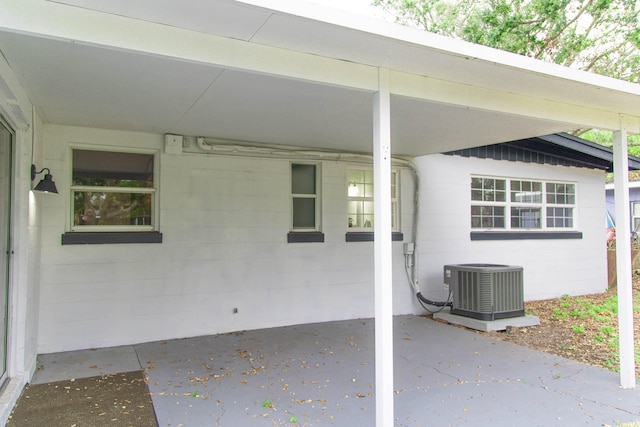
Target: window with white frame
(305, 200)
(112, 191)
(522, 204)
(360, 200)
(560, 204)
(635, 214)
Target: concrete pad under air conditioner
(487, 325)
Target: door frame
(8, 277)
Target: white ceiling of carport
(84, 84)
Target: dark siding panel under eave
(535, 150)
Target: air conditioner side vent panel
(486, 291)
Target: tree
(605, 138)
(601, 36)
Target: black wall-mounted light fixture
(46, 185)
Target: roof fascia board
(77, 25)
(470, 51)
(580, 145)
(587, 147)
(423, 87)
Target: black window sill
(366, 236)
(98, 238)
(305, 237)
(525, 235)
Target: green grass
(582, 308)
(578, 313)
(610, 364)
(559, 314)
(604, 312)
(579, 329)
(608, 330)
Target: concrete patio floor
(323, 375)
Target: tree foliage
(602, 36)
(605, 138)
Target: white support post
(623, 257)
(382, 251)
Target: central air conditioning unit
(485, 291)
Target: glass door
(6, 156)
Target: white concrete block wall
(552, 268)
(25, 260)
(27, 234)
(224, 222)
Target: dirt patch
(109, 400)
(583, 328)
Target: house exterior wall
(27, 228)
(224, 221)
(552, 268)
(23, 301)
(634, 196)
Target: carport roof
(287, 72)
(292, 73)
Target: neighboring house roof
(555, 149)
